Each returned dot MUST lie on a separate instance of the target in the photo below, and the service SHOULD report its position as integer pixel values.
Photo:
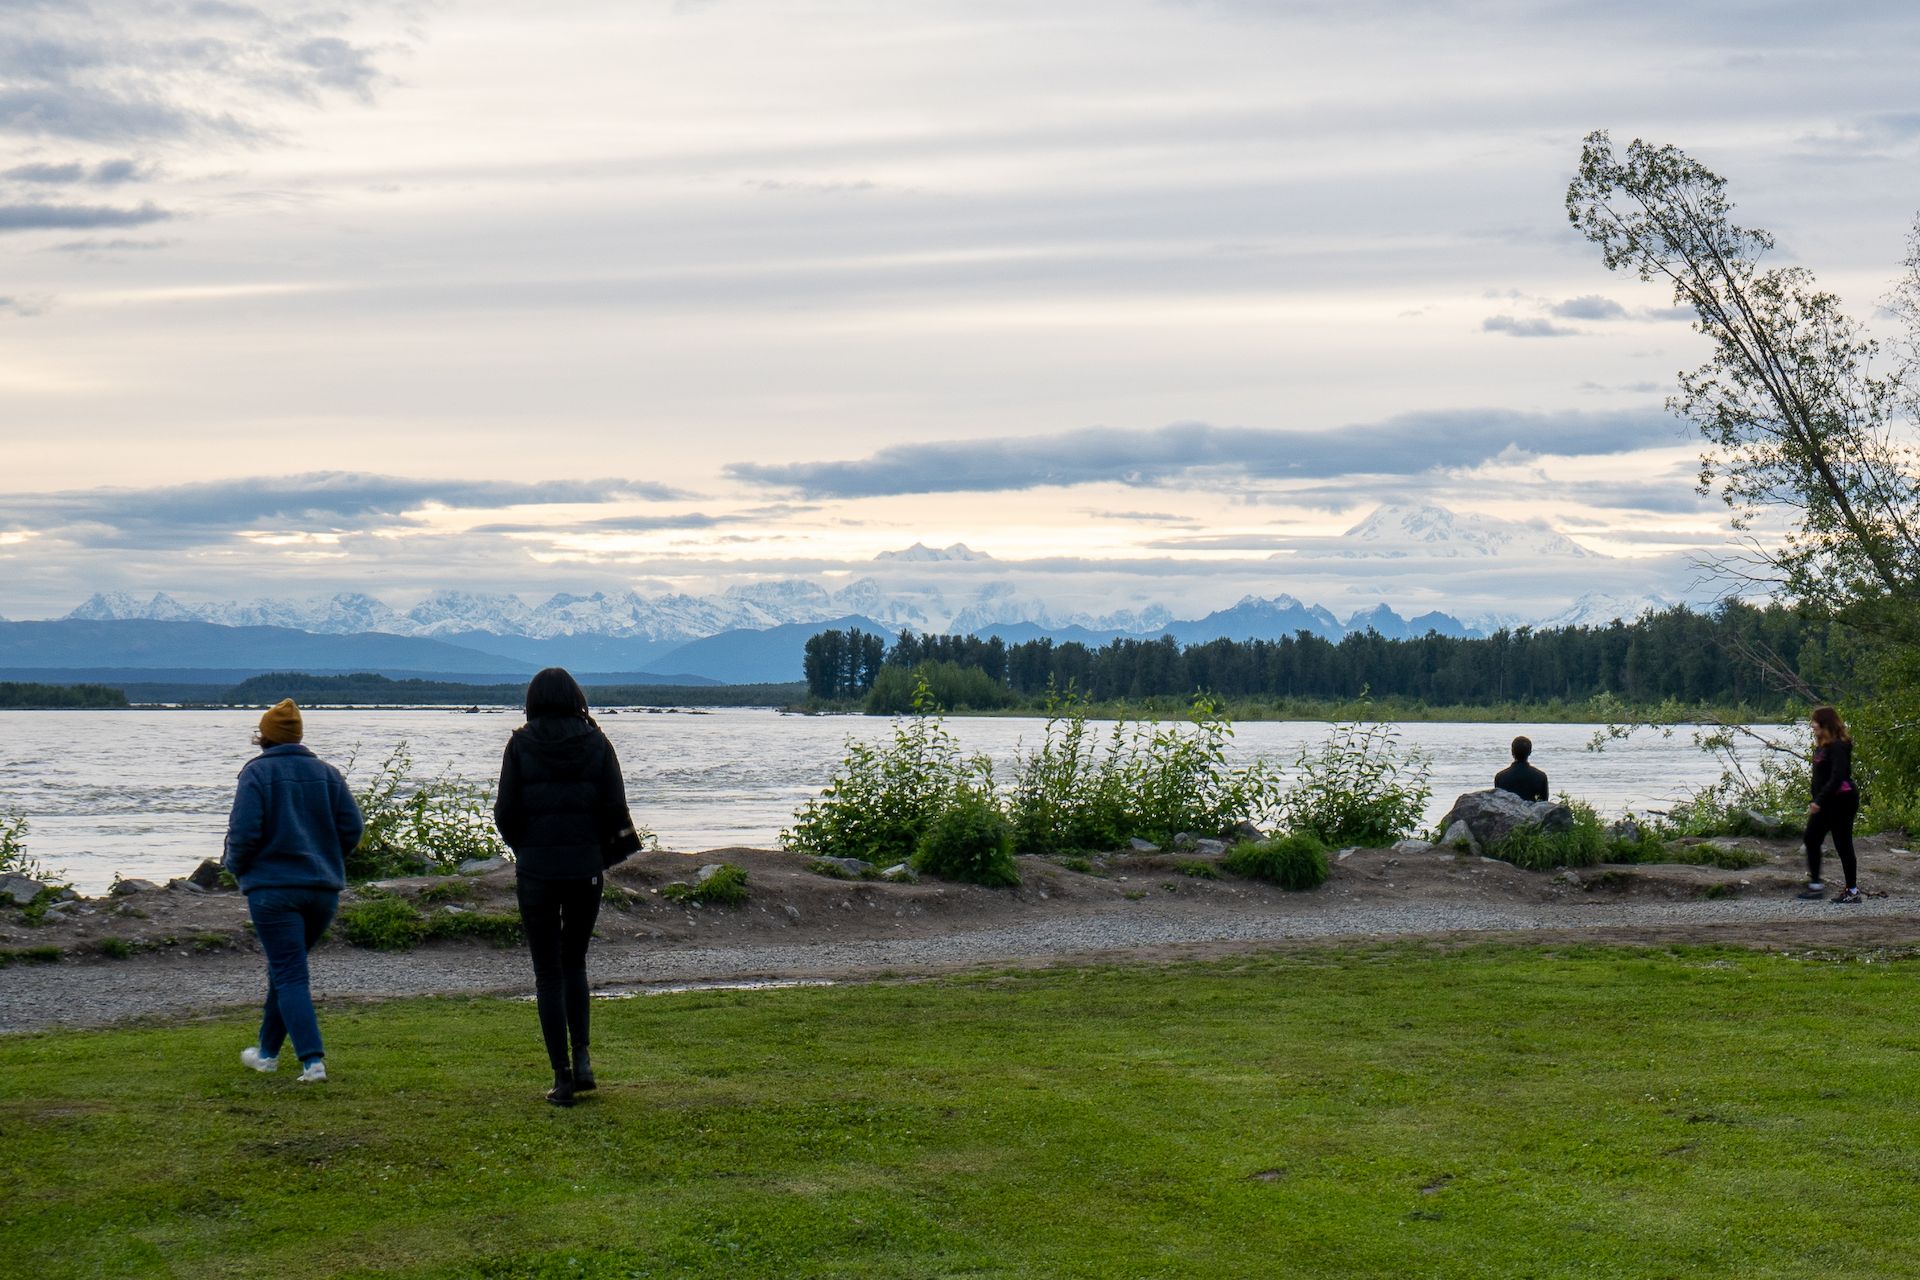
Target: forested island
(1738, 656)
(59, 697)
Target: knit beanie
(281, 724)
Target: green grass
(1394, 1111)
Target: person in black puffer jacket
(561, 807)
(1836, 803)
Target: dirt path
(193, 954)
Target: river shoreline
(190, 954)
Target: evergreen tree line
(1722, 657)
(842, 664)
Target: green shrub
(834, 871)
(882, 796)
(1359, 787)
(14, 859)
(441, 891)
(1295, 861)
(1581, 845)
(500, 928)
(726, 887)
(1197, 869)
(1150, 780)
(417, 825)
(115, 948)
(29, 955)
(968, 840)
(1082, 865)
(383, 924)
(949, 687)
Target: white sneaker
(252, 1057)
(316, 1072)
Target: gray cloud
(1589, 307)
(1532, 327)
(76, 217)
(166, 72)
(106, 173)
(118, 244)
(190, 514)
(1405, 445)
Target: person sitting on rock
(1520, 777)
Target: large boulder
(1493, 815)
(20, 890)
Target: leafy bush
(1197, 869)
(115, 948)
(882, 797)
(1360, 787)
(1151, 781)
(726, 887)
(382, 923)
(1296, 861)
(968, 840)
(417, 826)
(14, 859)
(949, 687)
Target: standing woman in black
(562, 809)
(1836, 803)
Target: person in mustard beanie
(293, 824)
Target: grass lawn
(1372, 1112)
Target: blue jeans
(288, 923)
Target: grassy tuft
(726, 887)
(1297, 861)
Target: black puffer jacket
(561, 798)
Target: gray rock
(855, 868)
(206, 875)
(1625, 829)
(179, 885)
(1493, 815)
(793, 912)
(1244, 830)
(1765, 823)
(1412, 846)
(1211, 848)
(65, 893)
(708, 872)
(20, 890)
(482, 866)
(121, 888)
(901, 873)
(1459, 835)
(1137, 845)
(1185, 840)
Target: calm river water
(145, 793)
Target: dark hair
(554, 692)
(1829, 727)
(1522, 747)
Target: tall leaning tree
(1796, 417)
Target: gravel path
(104, 992)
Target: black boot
(582, 1071)
(561, 1095)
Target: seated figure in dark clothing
(1520, 777)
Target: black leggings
(1835, 816)
(558, 916)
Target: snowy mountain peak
(1424, 530)
(921, 553)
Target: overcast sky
(664, 294)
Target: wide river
(145, 793)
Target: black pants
(1836, 816)
(558, 916)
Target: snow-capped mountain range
(950, 592)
